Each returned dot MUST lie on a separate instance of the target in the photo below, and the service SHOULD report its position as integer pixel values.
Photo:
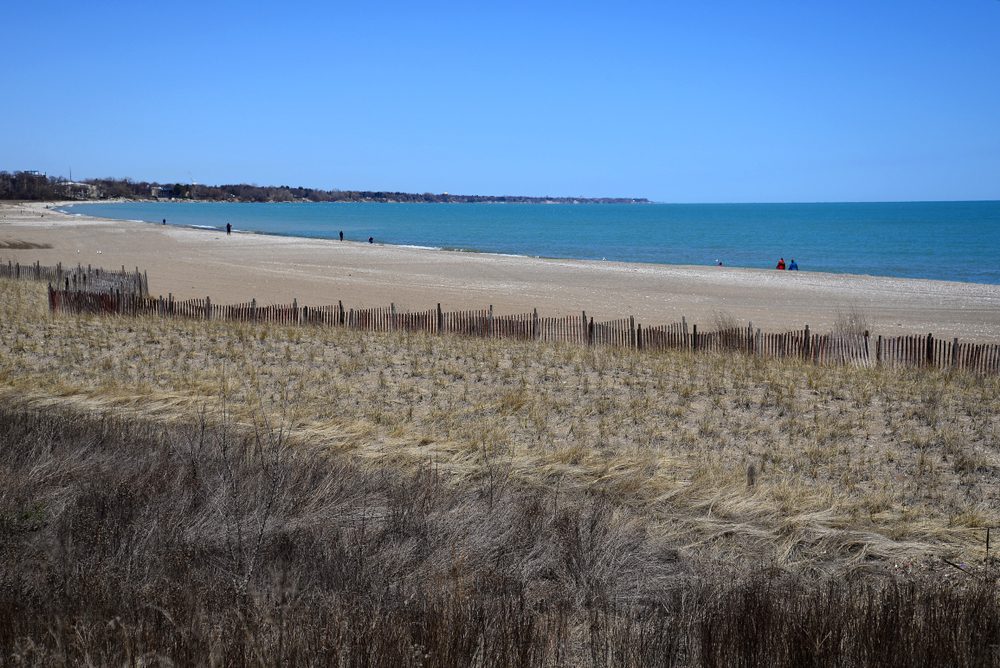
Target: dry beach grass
(122, 543)
(734, 458)
(200, 492)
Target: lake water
(940, 240)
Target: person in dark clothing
(371, 240)
(792, 266)
(342, 235)
(164, 221)
(781, 263)
(229, 228)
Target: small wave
(457, 249)
(418, 247)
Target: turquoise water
(957, 241)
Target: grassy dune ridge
(126, 543)
(728, 457)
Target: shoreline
(199, 262)
(979, 273)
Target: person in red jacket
(781, 263)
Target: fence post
(878, 350)
(867, 356)
(208, 308)
(694, 337)
(535, 330)
(440, 316)
(343, 316)
(590, 332)
(930, 349)
(805, 344)
(489, 323)
(638, 336)
(632, 341)
(954, 353)
(295, 309)
(253, 310)
(392, 317)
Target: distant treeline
(37, 186)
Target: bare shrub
(852, 321)
(725, 321)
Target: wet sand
(274, 269)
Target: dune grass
(732, 459)
(126, 543)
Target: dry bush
(852, 321)
(725, 321)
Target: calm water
(943, 240)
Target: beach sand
(273, 269)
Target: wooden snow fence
(834, 349)
(665, 337)
(519, 327)
(568, 329)
(80, 278)
(467, 323)
(928, 351)
(619, 333)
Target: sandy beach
(273, 269)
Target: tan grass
(850, 465)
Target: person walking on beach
(229, 228)
(781, 263)
(792, 266)
(342, 235)
(371, 240)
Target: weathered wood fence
(861, 350)
(80, 278)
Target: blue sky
(700, 101)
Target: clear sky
(697, 101)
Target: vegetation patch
(734, 459)
(17, 244)
(124, 543)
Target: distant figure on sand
(164, 221)
(781, 263)
(229, 228)
(792, 266)
(718, 263)
(371, 240)
(342, 235)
